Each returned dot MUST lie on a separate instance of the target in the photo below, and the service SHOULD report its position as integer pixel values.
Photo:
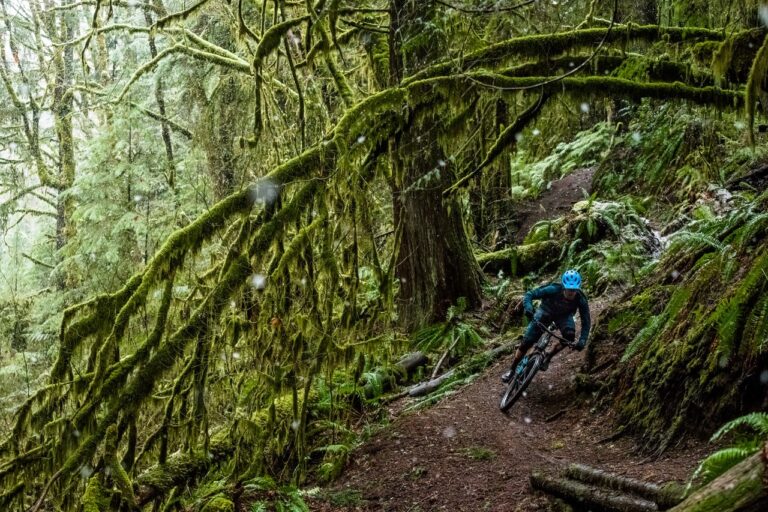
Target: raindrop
(76, 433)
(674, 274)
(441, 163)
(525, 394)
(449, 432)
(571, 64)
(295, 425)
(232, 304)
(764, 377)
(403, 280)
(637, 137)
(303, 281)
(361, 139)
(739, 125)
(137, 198)
(264, 192)
(751, 45)
(519, 137)
(550, 386)
(762, 12)
(585, 107)
(235, 355)
(527, 420)
(86, 471)
(258, 281)
(723, 361)
(536, 132)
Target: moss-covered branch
(554, 45)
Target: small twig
(557, 414)
(612, 437)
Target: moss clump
(219, 504)
(95, 498)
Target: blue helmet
(571, 280)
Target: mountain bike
(529, 367)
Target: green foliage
(267, 495)
(586, 149)
(479, 453)
(722, 460)
(454, 335)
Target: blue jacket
(554, 304)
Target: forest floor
(464, 455)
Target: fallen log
(595, 499)
(664, 496)
(387, 378)
(180, 469)
(741, 488)
(426, 388)
(520, 260)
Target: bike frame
(519, 382)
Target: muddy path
(463, 454)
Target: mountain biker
(559, 302)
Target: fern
(757, 421)
(723, 460)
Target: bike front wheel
(519, 383)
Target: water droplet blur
(258, 281)
(571, 64)
(303, 281)
(549, 386)
(637, 137)
(86, 471)
(264, 192)
(295, 424)
(525, 394)
(76, 433)
(536, 132)
(361, 139)
(723, 361)
(674, 274)
(739, 125)
(449, 432)
(519, 137)
(138, 198)
(235, 355)
(585, 108)
(764, 377)
(527, 420)
(441, 163)
(762, 13)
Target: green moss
(554, 44)
(118, 472)
(272, 39)
(219, 504)
(95, 498)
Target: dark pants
(566, 325)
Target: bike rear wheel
(518, 385)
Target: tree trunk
(435, 264)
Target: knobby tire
(518, 385)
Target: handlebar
(570, 344)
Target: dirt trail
(465, 455)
